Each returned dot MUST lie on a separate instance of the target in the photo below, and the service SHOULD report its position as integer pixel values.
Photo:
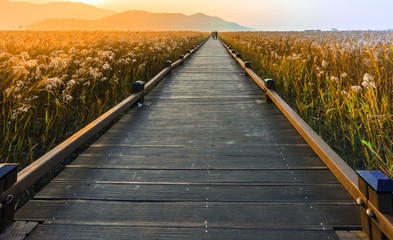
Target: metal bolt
(370, 213)
(10, 198)
(360, 202)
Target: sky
(269, 15)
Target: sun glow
(91, 2)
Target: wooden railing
(372, 193)
(13, 184)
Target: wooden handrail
(343, 172)
(36, 170)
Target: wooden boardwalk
(204, 158)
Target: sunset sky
(270, 14)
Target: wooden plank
(198, 132)
(18, 230)
(177, 150)
(88, 232)
(188, 120)
(212, 114)
(158, 139)
(261, 215)
(184, 141)
(197, 176)
(214, 128)
(333, 193)
(198, 162)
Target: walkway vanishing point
(204, 158)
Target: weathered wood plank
(88, 232)
(191, 214)
(197, 176)
(198, 162)
(158, 139)
(116, 150)
(18, 231)
(155, 139)
(333, 193)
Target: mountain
(14, 15)
(142, 21)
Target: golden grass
(52, 84)
(341, 83)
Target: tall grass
(340, 83)
(52, 84)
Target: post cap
(247, 64)
(377, 180)
(270, 84)
(233, 51)
(181, 56)
(188, 51)
(168, 64)
(7, 168)
(238, 55)
(138, 83)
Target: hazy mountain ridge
(20, 14)
(140, 20)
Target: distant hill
(142, 21)
(14, 15)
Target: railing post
(237, 55)
(246, 65)
(8, 176)
(233, 53)
(270, 84)
(377, 188)
(168, 64)
(181, 57)
(138, 87)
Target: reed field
(340, 83)
(52, 84)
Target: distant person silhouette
(216, 34)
